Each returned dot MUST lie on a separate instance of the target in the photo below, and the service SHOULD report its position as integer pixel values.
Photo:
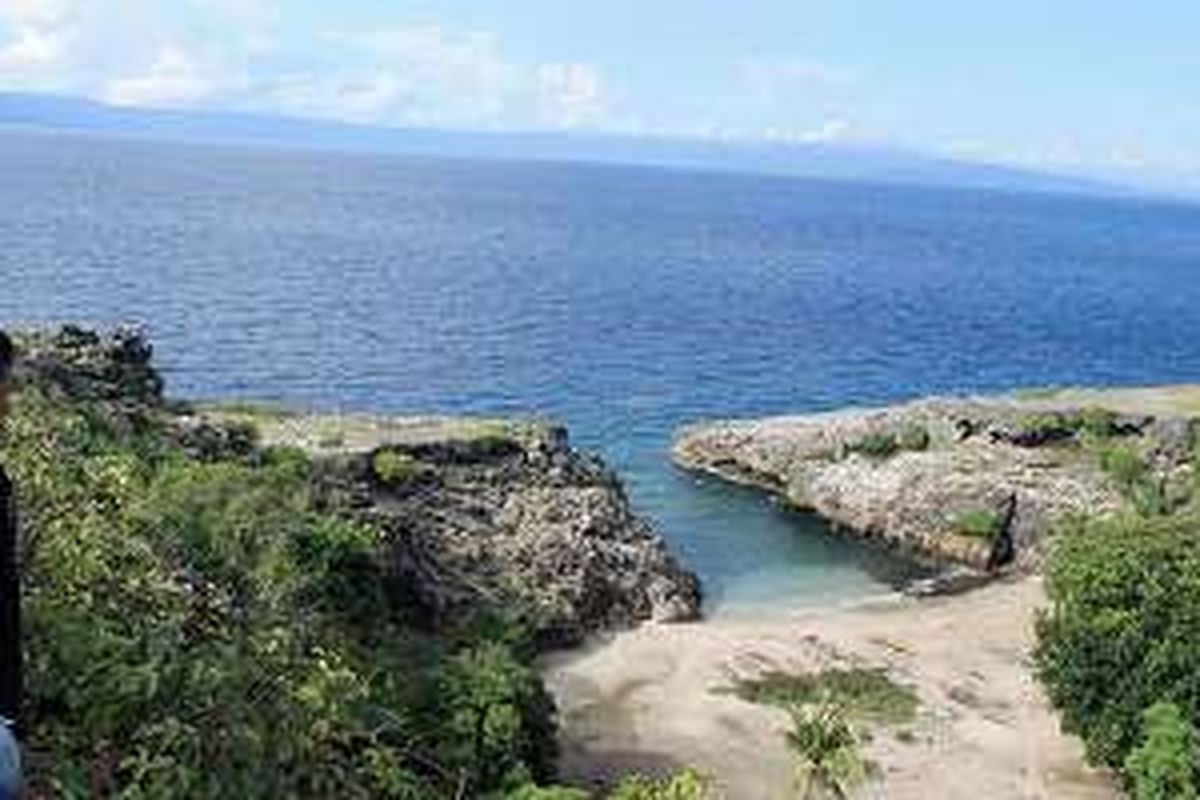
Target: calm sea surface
(624, 302)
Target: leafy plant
(914, 437)
(981, 523)
(876, 444)
(687, 785)
(394, 468)
(862, 693)
(1164, 765)
(1099, 423)
(831, 764)
(199, 629)
(1120, 633)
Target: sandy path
(644, 700)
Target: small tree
(830, 762)
(1164, 766)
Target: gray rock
(984, 458)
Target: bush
(1124, 464)
(199, 629)
(394, 468)
(1121, 630)
(980, 523)
(875, 445)
(914, 437)
(1145, 492)
(687, 785)
(864, 694)
(831, 763)
(1099, 423)
(1164, 765)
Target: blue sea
(622, 301)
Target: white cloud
(573, 95)
(174, 78)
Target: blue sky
(1104, 87)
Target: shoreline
(649, 699)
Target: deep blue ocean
(622, 301)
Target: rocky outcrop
(476, 515)
(82, 364)
(510, 517)
(969, 481)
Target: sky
(1104, 87)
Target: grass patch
(394, 468)
(867, 695)
(980, 523)
(914, 437)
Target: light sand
(645, 700)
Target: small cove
(624, 302)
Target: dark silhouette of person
(10, 607)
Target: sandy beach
(651, 700)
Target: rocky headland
(975, 482)
(477, 514)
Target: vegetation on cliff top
(1119, 646)
(197, 625)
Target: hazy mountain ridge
(839, 162)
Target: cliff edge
(972, 481)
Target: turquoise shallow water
(624, 302)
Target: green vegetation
(867, 695)
(1099, 423)
(914, 437)
(198, 627)
(980, 523)
(825, 708)
(1165, 765)
(1045, 427)
(828, 749)
(394, 468)
(1122, 631)
(876, 444)
(1145, 491)
(687, 785)
(885, 444)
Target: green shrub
(865, 694)
(1164, 765)
(830, 760)
(1145, 492)
(979, 523)
(1121, 630)
(1045, 423)
(1099, 423)
(1124, 464)
(914, 437)
(876, 444)
(687, 785)
(394, 468)
(199, 629)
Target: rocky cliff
(975, 481)
(476, 515)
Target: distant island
(862, 163)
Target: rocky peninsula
(973, 481)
